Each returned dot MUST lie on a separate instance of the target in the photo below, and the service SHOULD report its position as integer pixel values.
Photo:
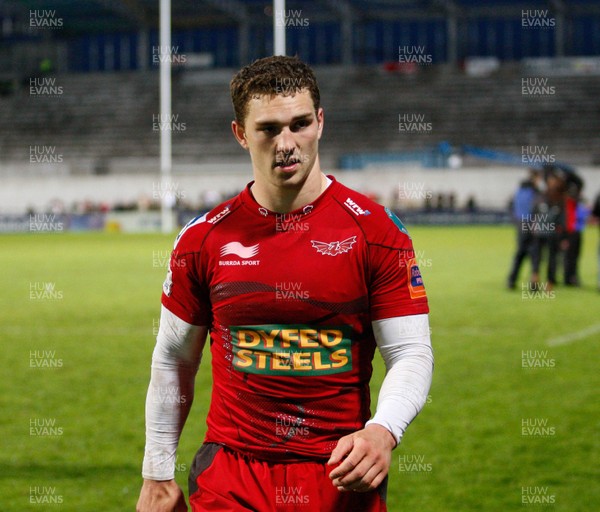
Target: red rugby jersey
(289, 299)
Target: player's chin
(290, 177)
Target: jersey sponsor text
(292, 350)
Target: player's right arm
(185, 313)
(175, 362)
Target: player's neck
(283, 199)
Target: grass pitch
(512, 419)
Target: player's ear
(239, 133)
(320, 121)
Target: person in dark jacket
(547, 223)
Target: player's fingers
(370, 481)
(355, 476)
(376, 482)
(344, 446)
(345, 467)
(360, 450)
(349, 465)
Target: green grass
(468, 438)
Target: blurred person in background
(576, 217)
(523, 203)
(547, 223)
(596, 215)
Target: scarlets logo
(239, 250)
(334, 248)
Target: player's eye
(303, 123)
(268, 130)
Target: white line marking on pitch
(574, 336)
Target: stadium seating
(103, 116)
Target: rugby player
(297, 280)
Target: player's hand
(368, 454)
(163, 496)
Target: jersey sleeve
(184, 292)
(396, 286)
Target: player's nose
(285, 142)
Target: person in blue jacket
(522, 207)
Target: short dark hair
(272, 76)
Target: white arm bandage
(175, 362)
(405, 345)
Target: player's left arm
(404, 343)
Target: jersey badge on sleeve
(415, 281)
(193, 222)
(168, 284)
(396, 220)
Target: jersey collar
(251, 203)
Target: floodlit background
(435, 108)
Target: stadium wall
(404, 188)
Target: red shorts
(225, 481)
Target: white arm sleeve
(175, 363)
(404, 343)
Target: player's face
(282, 135)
